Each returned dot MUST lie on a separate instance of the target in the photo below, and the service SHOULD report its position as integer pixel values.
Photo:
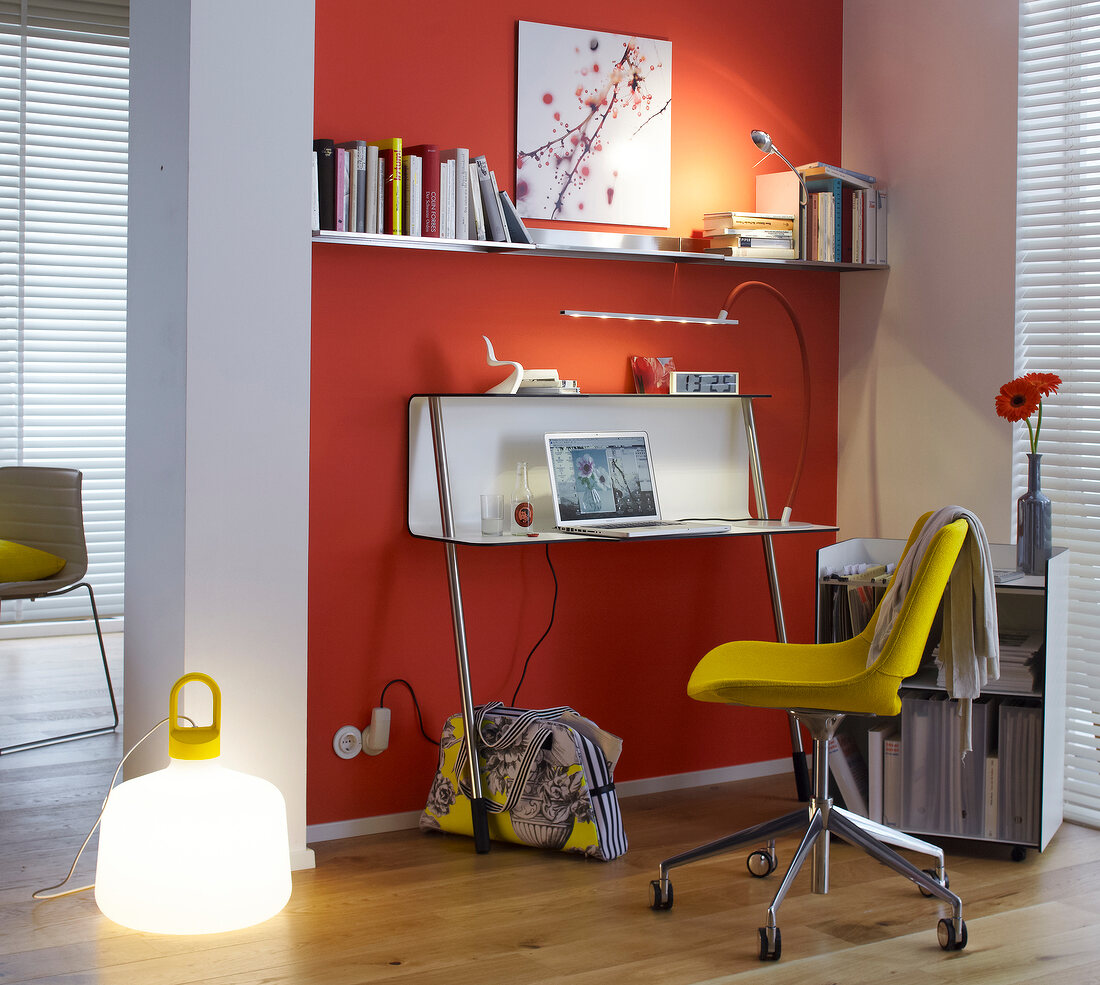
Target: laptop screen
(601, 476)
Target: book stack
(1021, 663)
(845, 215)
(751, 234)
(388, 186)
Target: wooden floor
(415, 908)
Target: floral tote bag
(547, 777)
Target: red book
(429, 185)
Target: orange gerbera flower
(1023, 396)
(1018, 399)
(1045, 383)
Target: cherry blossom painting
(593, 126)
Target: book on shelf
(830, 171)
(758, 239)
(325, 149)
(517, 231)
(461, 176)
(719, 223)
(412, 169)
(849, 769)
(891, 780)
(447, 199)
(490, 201)
(477, 209)
(757, 252)
(342, 192)
(390, 182)
(499, 205)
(876, 748)
(429, 187)
(372, 213)
(315, 204)
(357, 184)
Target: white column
(218, 377)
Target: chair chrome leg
(814, 831)
(759, 832)
(853, 833)
(86, 733)
(892, 836)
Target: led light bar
(623, 316)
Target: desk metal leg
(798, 756)
(479, 812)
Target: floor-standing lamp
(194, 848)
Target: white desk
(705, 456)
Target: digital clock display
(703, 384)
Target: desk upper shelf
(700, 446)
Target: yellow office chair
(819, 684)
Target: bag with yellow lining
(546, 776)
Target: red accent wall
(388, 323)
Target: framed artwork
(593, 126)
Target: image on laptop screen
(602, 477)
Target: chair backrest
(901, 654)
(42, 507)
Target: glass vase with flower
(1018, 400)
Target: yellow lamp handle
(201, 742)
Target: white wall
(930, 109)
(218, 377)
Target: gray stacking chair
(42, 508)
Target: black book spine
(326, 180)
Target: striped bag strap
(534, 742)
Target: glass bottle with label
(523, 515)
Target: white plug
(376, 736)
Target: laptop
(602, 484)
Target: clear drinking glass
(492, 514)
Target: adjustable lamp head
(764, 144)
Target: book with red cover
(389, 174)
(429, 196)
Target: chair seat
(821, 676)
(12, 590)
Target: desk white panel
(700, 452)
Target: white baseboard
(359, 827)
(303, 858)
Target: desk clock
(702, 384)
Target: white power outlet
(348, 742)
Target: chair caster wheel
(771, 943)
(933, 874)
(660, 899)
(946, 933)
(1019, 853)
(760, 864)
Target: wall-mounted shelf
(593, 248)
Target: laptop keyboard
(638, 523)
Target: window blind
(1058, 331)
(64, 94)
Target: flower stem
(1033, 433)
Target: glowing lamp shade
(194, 848)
